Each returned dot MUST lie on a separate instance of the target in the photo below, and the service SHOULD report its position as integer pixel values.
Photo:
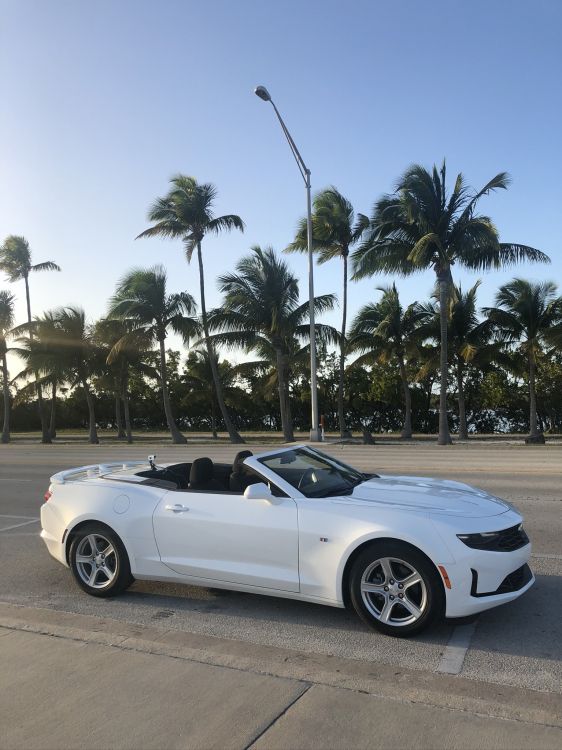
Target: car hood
(433, 496)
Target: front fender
(438, 553)
(330, 532)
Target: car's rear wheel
(395, 588)
(99, 561)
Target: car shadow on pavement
(257, 609)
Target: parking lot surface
(516, 645)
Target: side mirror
(259, 491)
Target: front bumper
(471, 606)
(482, 580)
(511, 583)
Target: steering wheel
(308, 477)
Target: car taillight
(47, 495)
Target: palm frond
(322, 303)
(228, 222)
(186, 212)
(47, 265)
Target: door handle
(177, 508)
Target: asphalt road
(518, 644)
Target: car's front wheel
(395, 588)
(99, 561)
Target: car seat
(201, 476)
(240, 478)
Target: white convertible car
(296, 523)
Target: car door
(227, 537)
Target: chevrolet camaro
(293, 522)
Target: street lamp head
(263, 93)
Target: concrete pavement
(76, 682)
(61, 693)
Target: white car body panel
(295, 547)
(420, 495)
(224, 537)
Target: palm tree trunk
(93, 433)
(407, 429)
(6, 391)
(213, 418)
(45, 436)
(177, 437)
(118, 419)
(443, 278)
(284, 401)
(463, 428)
(430, 381)
(341, 412)
(232, 432)
(126, 414)
(534, 435)
(52, 419)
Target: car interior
(204, 475)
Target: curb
(385, 681)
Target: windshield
(313, 473)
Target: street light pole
(315, 435)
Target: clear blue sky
(101, 102)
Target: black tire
(116, 563)
(427, 596)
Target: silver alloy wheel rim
(393, 591)
(96, 561)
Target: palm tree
(141, 298)
(62, 349)
(422, 226)
(529, 315)
(261, 312)
(121, 361)
(198, 377)
(386, 331)
(15, 261)
(107, 333)
(80, 357)
(470, 343)
(186, 212)
(468, 338)
(43, 353)
(6, 323)
(335, 229)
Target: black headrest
(202, 470)
(237, 465)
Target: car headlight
(505, 540)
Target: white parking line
(17, 525)
(459, 642)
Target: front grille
(506, 540)
(515, 581)
(512, 582)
